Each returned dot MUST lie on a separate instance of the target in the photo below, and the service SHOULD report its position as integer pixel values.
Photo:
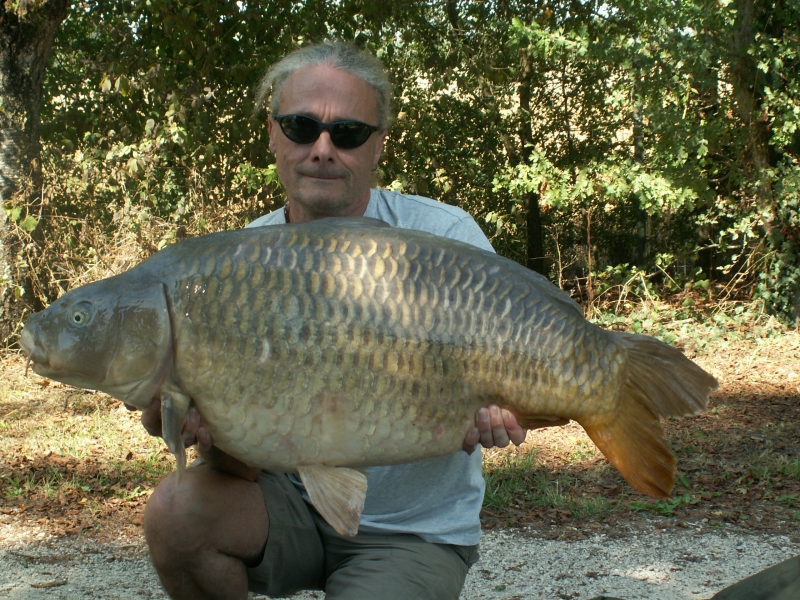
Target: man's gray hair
(338, 54)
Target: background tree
(635, 147)
(27, 31)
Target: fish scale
(341, 344)
(346, 368)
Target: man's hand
(494, 427)
(195, 432)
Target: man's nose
(323, 148)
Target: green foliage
(627, 123)
(666, 507)
(790, 500)
(792, 469)
(27, 223)
(149, 106)
(779, 283)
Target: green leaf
(29, 223)
(133, 167)
(703, 283)
(15, 213)
(123, 85)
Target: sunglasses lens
(350, 134)
(344, 134)
(300, 129)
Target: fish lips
(28, 342)
(38, 359)
(35, 353)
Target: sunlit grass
(61, 444)
(665, 507)
(518, 479)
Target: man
(228, 527)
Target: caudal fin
(659, 382)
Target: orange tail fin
(660, 382)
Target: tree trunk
(533, 213)
(640, 252)
(26, 40)
(748, 91)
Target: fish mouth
(37, 357)
(28, 342)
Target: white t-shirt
(438, 499)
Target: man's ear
(271, 130)
(379, 146)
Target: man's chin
(328, 200)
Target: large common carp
(322, 347)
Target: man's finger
(151, 418)
(190, 427)
(484, 425)
(499, 433)
(515, 433)
(471, 440)
(203, 439)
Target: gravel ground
(658, 565)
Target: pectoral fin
(337, 493)
(173, 410)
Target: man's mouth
(323, 175)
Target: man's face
(322, 180)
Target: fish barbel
(322, 347)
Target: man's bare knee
(173, 522)
(205, 510)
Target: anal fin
(538, 421)
(338, 494)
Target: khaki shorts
(304, 553)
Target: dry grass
(70, 458)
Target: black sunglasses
(305, 130)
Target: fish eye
(81, 314)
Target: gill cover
(144, 350)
